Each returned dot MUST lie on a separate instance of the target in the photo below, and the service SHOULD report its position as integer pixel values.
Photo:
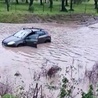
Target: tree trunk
(30, 5)
(17, 2)
(51, 4)
(71, 5)
(7, 3)
(26, 1)
(41, 2)
(63, 6)
(96, 3)
(66, 3)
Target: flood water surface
(71, 45)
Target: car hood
(11, 38)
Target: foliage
(89, 94)
(64, 91)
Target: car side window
(30, 36)
(40, 33)
(33, 36)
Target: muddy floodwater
(71, 45)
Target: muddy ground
(72, 44)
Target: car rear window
(40, 33)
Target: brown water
(71, 45)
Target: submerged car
(27, 37)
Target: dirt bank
(80, 19)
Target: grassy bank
(19, 12)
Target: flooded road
(71, 45)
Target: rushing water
(71, 45)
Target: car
(28, 37)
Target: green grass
(85, 8)
(8, 96)
(17, 12)
(38, 9)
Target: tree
(26, 1)
(7, 3)
(66, 3)
(51, 4)
(30, 5)
(96, 3)
(63, 8)
(71, 5)
(41, 2)
(17, 2)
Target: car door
(31, 40)
(42, 36)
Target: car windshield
(22, 33)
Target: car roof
(33, 29)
